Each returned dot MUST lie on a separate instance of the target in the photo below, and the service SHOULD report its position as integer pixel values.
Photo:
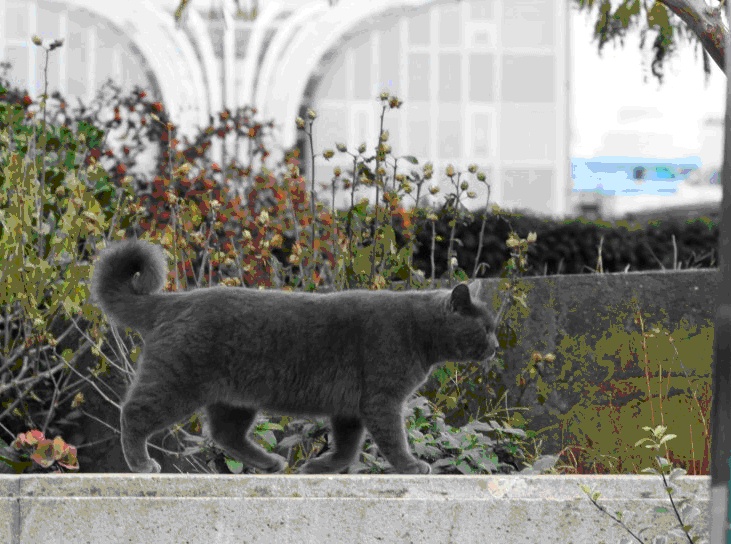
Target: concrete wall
(608, 380)
(335, 509)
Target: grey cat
(355, 356)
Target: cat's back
(262, 304)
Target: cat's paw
(278, 465)
(424, 467)
(322, 465)
(150, 467)
(417, 467)
(311, 468)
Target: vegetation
(229, 208)
(73, 178)
(665, 24)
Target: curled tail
(124, 274)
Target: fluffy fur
(354, 356)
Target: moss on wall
(631, 350)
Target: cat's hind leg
(229, 426)
(385, 422)
(348, 436)
(149, 407)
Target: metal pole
(721, 372)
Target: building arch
(296, 63)
(279, 49)
(171, 56)
(273, 10)
(212, 71)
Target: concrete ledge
(335, 509)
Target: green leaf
(234, 466)
(411, 159)
(361, 209)
(658, 16)
(18, 466)
(622, 15)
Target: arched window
(94, 50)
(481, 82)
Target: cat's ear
(460, 298)
(476, 290)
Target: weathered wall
(608, 379)
(176, 508)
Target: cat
(354, 356)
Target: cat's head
(472, 325)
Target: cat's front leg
(386, 424)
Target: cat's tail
(124, 275)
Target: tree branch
(706, 23)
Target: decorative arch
(197, 27)
(279, 47)
(272, 10)
(285, 86)
(170, 55)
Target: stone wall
(595, 393)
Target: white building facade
(482, 81)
